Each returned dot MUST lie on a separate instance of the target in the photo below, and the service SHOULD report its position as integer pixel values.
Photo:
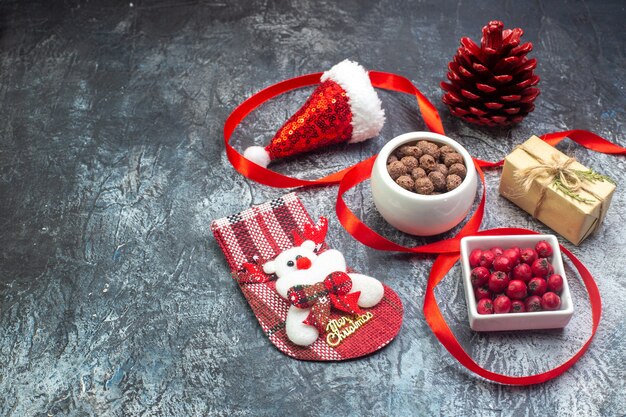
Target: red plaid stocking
(261, 233)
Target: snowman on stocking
(315, 282)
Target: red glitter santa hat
(344, 108)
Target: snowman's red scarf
(333, 291)
(447, 250)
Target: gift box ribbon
(448, 250)
(549, 170)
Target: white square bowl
(515, 321)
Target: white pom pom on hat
(368, 117)
(344, 108)
(258, 155)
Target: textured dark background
(116, 300)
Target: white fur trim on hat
(368, 117)
(258, 155)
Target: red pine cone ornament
(492, 85)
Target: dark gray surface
(115, 299)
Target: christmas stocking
(310, 305)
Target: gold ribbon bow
(564, 178)
(557, 168)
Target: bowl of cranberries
(515, 283)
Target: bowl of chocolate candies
(423, 183)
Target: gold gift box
(571, 218)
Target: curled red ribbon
(440, 328)
(448, 250)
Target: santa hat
(344, 108)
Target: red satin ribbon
(587, 139)
(448, 249)
(440, 328)
(361, 232)
(361, 172)
(266, 176)
(582, 137)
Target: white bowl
(515, 321)
(416, 214)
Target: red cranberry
(541, 267)
(537, 286)
(543, 248)
(502, 304)
(513, 254)
(497, 250)
(533, 303)
(474, 258)
(498, 281)
(479, 276)
(486, 259)
(555, 283)
(517, 306)
(522, 272)
(528, 256)
(550, 301)
(483, 292)
(502, 263)
(484, 306)
(516, 289)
